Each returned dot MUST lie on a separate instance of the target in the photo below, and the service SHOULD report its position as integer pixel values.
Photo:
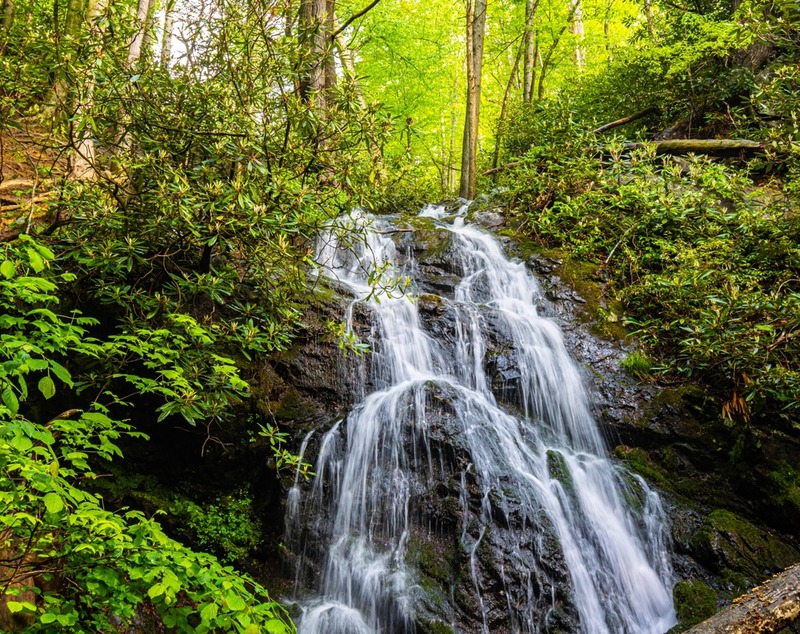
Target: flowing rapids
(546, 457)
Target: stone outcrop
(671, 436)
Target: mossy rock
(433, 243)
(295, 407)
(559, 470)
(694, 602)
(433, 627)
(785, 489)
(638, 461)
(741, 553)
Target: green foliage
(72, 564)
(705, 261)
(284, 459)
(226, 526)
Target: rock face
(665, 435)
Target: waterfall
(542, 456)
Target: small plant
(284, 459)
(226, 527)
(637, 364)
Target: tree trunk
(143, 12)
(579, 54)
(288, 18)
(716, 147)
(82, 159)
(504, 107)
(615, 124)
(7, 16)
(606, 30)
(166, 38)
(452, 169)
(529, 46)
(766, 609)
(476, 29)
(330, 29)
(648, 11)
(313, 41)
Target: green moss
(434, 560)
(559, 470)
(638, 461)
(293, 406)
(434, 627)
(740, 552)
(637, 364)
(786, 482)
(694, 602)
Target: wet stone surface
(517, 560)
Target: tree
(476, 30)
(318, 74)
(579, 54)
(530, 46)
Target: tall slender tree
(140, 42)
(576, 28)
(476, 31)
(530, 46)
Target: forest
(167, 166)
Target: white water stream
(617, 559)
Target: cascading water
(545, 458)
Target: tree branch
(355, 17)
(624, 120)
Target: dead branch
(615, 124)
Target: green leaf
(37, 364)
(53, 502)
(21, 443)
(61, 372)
(209, 613)
(47, 387)
(234, 602)
(8, 269)
(274, 626)
(37, 263)
(156, 590)
(19, 606)
(10, 400)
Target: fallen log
(624, 120)
(766, 609)
(715, 147)
(15, 183)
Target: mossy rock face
(638, 461)
(295, 407)
(559, 470)
(694, 602)
(785, 489)
(741, 553)
(433, 244)
(433, 627)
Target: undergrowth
(703, 255)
